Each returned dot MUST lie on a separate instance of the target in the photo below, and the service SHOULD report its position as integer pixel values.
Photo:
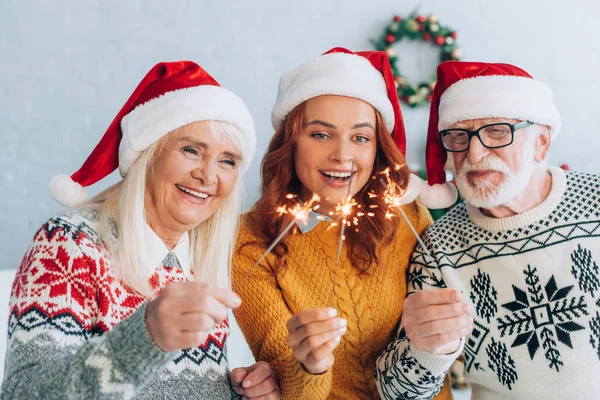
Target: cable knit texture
(371, 303)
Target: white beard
(486, 195)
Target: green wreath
(417, 27)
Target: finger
(208, 305)
(307, 316)
(196, 290)
(433, 344)
(226, 296)
(176, 287)
(323, 353)
(313, 343)
(191, 339)
(260, 371)
(237, 376)
(273, 395)
(439, 312)
(314, 329)
(426, 298)
(238, 389)
(197, 322)
(440, 327)
(261, 388)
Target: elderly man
(509, 278)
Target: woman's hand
(255, 382)
(184, 313)
(313, 335)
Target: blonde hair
(121, 208)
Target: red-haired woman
(336, 119)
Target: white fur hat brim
(499, 96)
(152, 120)
(338, 74)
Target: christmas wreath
(417, 27)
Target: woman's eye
(361, 139)
(190, 150)
(229, 162)
(319, 135)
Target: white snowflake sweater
(533, 284)
(75, 332)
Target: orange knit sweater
(371, 303)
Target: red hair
(279, 178)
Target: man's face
(488, 178)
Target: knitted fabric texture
(371, 303)
(75, 332)
(532, 282)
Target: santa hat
(364, 75)
(472, 90)
(171, 95)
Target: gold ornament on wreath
(417, 27)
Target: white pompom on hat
(171, 95)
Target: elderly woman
(338, 125)
(126, 295)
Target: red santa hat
(171, 95)
(472, 90)
(364, 75)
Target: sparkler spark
(300, 213)
(393, 197)
(345, 208)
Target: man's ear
(542, 143)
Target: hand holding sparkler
(434, 320)
(313, 335)
(394, 197)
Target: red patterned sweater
(77, 332)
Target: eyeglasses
(492, 136)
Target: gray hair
(121, 208)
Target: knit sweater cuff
(312, 386)
(437, 364)
(134, 350)
(312, 379)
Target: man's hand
(436, 320)
(255, 382)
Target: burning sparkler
(300, 213)
(345, 208)
(394, 197)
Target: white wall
(67, 66)
(6, 277)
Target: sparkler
(300, 212)
(345, 209)
(394, 199)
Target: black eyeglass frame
(513, 128)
